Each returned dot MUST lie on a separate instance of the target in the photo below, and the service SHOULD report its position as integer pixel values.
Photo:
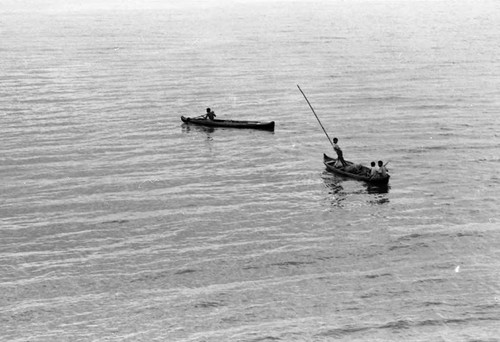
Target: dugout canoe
(361, 174)
(264, 125)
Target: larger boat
(355, 171)
(266, 125)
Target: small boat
(359, 172)
(268, 126)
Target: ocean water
(120, 223)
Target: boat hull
(362, 175)
(268, 126)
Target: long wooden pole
(330, 140)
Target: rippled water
(119, 223)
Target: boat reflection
(188, 128)
(338, 195)
(336, 190)
(379, 193)
(377, 189)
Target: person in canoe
(337, 149)
(210, 114)
(382, 171)
(373, 170)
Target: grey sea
(120, 223)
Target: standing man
(337, 149)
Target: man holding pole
(336, 147)
(339, 152)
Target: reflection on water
(379, 200)
(338, 195)
(187, 128)
(380, 193)
(336, 192)
(332, 182)
(377, 189)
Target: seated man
(382, 171)
(210, 114)
(373, 169)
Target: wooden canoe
(362, 174)
(268, 126)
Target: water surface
(120, 223)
